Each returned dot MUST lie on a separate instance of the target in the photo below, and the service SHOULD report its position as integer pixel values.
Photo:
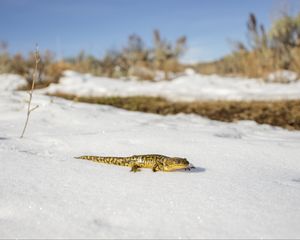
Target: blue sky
(67, 26)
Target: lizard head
(175, 163)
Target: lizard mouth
(177, 167)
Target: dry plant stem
(34, 76)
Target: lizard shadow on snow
(4, 138)
(193, 170)
(297, 180)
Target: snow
(284, 76)
(11, 82)
(189, 87)
(246, 183)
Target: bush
(277, 49)
(135, 59)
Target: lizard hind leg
(135, 168)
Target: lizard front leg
(189, 167)
(157, 167)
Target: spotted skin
(154, 161)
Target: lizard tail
(91, 158)
(109, 160)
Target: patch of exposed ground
(283, 113)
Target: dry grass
(266, 51)
(285, 113)
(135, 59)
(255, 64)
(34, 77)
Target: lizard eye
(184, 161)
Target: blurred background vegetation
(267, 50)
(277, 48)
(135, 60)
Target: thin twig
(34, 76)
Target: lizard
(156, 162)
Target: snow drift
(189, 87)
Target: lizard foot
(189, 168)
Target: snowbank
(246, 184)
(188, 88)
(283, 76)
(10, 82)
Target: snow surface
(246, 183)
(284, 76)
(11, 82)
(188, 88)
